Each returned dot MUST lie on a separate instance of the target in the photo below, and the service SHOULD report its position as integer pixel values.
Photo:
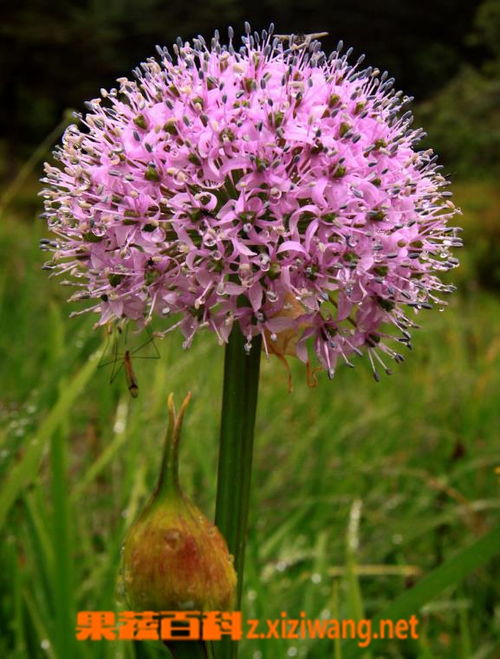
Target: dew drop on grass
(316, 578)
(119, 427)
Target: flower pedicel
(222, 182)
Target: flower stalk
(239, 405)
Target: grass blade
(24, 471)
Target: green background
(368, 499)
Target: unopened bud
(174, 558)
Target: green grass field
(360, 489)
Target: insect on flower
(120, 355)
(298, 41)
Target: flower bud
(174, 558)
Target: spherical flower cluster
(273, 187)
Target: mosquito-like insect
(133, 387)
(298, 41)
(121, 356)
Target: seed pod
(174, 558)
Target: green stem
(239, 404)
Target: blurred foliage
(487, 27)
(463, 124)
(463, 119)
(480, 261)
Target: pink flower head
(273, 187)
